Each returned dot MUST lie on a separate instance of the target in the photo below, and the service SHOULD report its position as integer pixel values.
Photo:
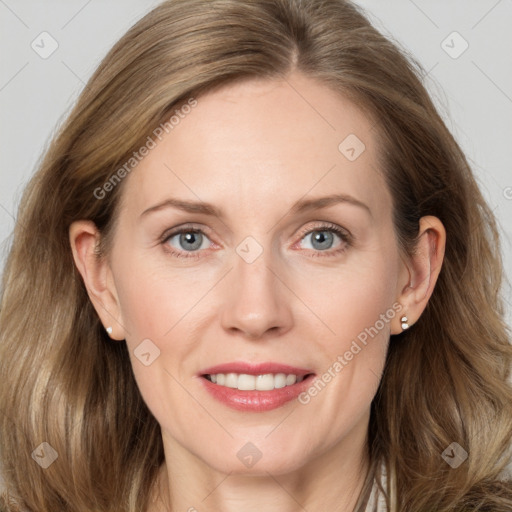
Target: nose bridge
(253, 272)
(256, 302)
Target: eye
(323, 240)
(329, 239)
(186, 240)
(320, 239)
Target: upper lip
(255, 369)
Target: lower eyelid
(329, 252)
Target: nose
(257, 303)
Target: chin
(248, 460)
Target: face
(257, 235)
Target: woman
(254, 271)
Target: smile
(245, 382)
(250, 387)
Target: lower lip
(256, 401)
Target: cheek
(357, 306)
(352, 298)
(153, 299)
(161, 312)
(158, 315)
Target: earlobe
(423, 267)
(84, 239)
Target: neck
(333, 481)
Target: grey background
(473, 91)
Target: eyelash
(345, 236)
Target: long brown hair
(66, 384)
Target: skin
(253, 149)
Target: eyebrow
(301, 206)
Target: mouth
(255, 387)
(261, 382)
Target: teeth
(231, 380)
(245, 382)
(265, 382)
(280, 381)
(290, 380)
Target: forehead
(265, 143)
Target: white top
(376, 502)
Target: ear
(420, 272)
(84, 238)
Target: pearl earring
(109, 330)
(405, 324)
